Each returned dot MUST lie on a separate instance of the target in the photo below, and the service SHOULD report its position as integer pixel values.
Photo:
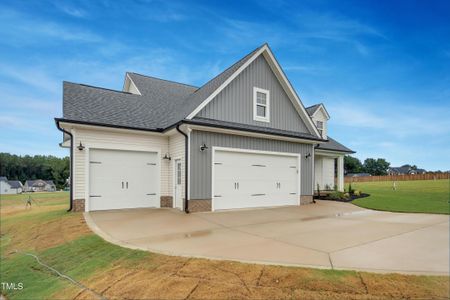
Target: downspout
(71, 164)
(186, 171)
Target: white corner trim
(221, 87)
(255, 115)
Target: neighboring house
(243, 139)
(10, 186)
(358, 174)
(405, 170)
(39, 185)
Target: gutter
(163, 130)
(186, 171)
(71, 163)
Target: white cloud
(21, 29)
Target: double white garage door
(123, 179)
(248, 179)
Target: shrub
(350, 190)
(336, 195)
(357, 193)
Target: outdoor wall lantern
(167, 156)
(80, 147)
(203, 147)
(307, 155)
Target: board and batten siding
(99, 138)
(201, 162)
(177, 151)
(235, 102)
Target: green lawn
(63, 241)
(421, 196)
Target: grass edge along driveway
(63, 241)
(414, 196)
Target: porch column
(340, 173)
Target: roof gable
(235, 102)
(316, 108)
(278, 72)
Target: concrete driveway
(324, 235)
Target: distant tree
(376, 167)
(352, 165)
(27, 167)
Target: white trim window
(320, 127)
(261, 105)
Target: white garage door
(123, 179)
(245, 179)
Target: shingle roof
(252, 128)
(312, 109)
(334, 145)
(162, 103)
(3, 178)
(15, 184)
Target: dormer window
(261, 105)
(320, 127)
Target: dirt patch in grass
(41, 230)
(164, 277)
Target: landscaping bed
(345, 198)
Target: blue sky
(382, 68)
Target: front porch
(328, 171)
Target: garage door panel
(123, 179)
(262, 180)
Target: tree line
(375, 167)
(46, 167)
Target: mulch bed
(352, 197)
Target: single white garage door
(123, 179)
(246, 179)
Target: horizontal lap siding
(93, 138)
(235, 102)
(200, 181)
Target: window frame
(320, 129)
(257, 90)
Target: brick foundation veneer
(306, 199)
(78, 205)
(166, 201)
(199, 205)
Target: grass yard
(63, 241)
(419, 196)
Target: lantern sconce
(203, 147)
(307, 155)
(167, 156)
(80, 147)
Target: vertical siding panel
(235, 102)
(201, 161)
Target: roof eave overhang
(333, 151)
(253, 132)
(86, 123)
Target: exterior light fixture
(80, 147)
(307, 155)
(167, 156)
(203, 147)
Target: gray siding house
(242, 140)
